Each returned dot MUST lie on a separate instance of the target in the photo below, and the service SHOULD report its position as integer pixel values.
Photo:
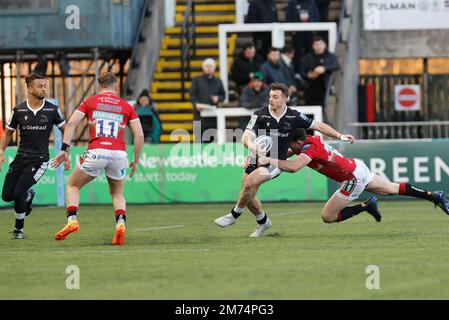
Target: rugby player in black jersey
(279, 122)
(34, 118)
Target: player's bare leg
(382, 186)
(119, 203)
(250, 185)
(76, 181)
(336, 209)
(255, 206)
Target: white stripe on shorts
(40, 172)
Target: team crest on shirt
(26, 118)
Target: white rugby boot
(226, 220)
(261, 228)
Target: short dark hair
(107, 79)
(318, 38)
(273, 49)
(300, 134)
(34, 76)
(248, 45)
(280, 86)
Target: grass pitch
(177, 252)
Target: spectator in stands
(206, 91)
(244, 65)
(317, 68)
(302, 11)
(323, 9)
(254, 96)
(149, 118)
(271, 68)
(262, 11)
(288, 69)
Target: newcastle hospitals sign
(405, 14)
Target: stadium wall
(402, 43)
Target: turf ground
(177, 252)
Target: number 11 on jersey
(105, 128)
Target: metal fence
(403, 130)
(431, 121)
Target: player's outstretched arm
(331, 132)
(136, 130)
(287, 165)
(69, 131)
(7, 135)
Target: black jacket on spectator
(302, 41)
(323, 8)
(203, 87)
(316, 90)
(295, 6)
(262, 11)
(242, 67)
(252, 99)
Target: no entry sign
(407, 97)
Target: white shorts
(351, 189)
(114, 162)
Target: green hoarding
(424, 164)
(185, 173)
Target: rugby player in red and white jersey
(108, 116)
(354, 176)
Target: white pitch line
(105, 251)
(160, 228)
(289, 213)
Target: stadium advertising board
(185, 173)
(405, 14)
(424, 164)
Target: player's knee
(248, 185)
(327, 218)
(7, 197)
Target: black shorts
(32, 166)
(274, 171)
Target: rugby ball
(265, 142)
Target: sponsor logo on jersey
(107, 116)
(106, 143)
(107, 107)
(36, 128)
(280, 134)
